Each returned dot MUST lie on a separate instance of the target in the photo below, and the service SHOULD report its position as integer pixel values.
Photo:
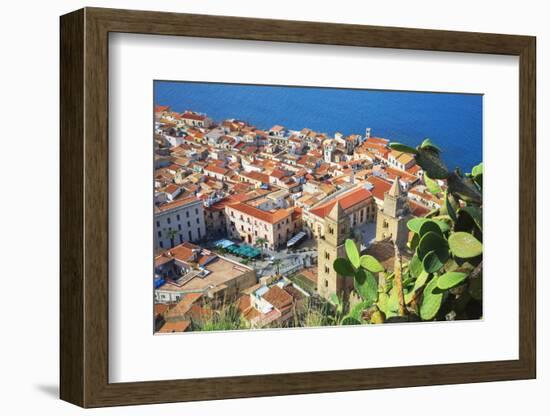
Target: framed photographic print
(255, 207)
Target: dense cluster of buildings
(229, 179)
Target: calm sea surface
(452, 121)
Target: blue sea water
(452, 121)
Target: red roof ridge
(346, 201)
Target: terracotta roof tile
(183, 306)
(193, 116)
(377, 140)
(417, 209)
(278, 297)
(244, 303)
(295, 293)
(161, 108)
(279, 174)
(185, 252)
(160, 308)
(179, 326)
(257, 176)
(216, 169)
(347, 200)
(267, 216)
(177, 203)
(198, 313)
(380, 187)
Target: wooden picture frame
(84, 207)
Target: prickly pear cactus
(443, 279)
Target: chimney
(195, 255)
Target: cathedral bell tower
(391, 221)
(329, 248)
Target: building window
(199, 230)
(158, 223)
(186, 214)
(327, 255)
(168, 220)
(327, 270)
(161, 245)
(326, 283)
(190, 236)
(188, 223)
(197, 211)
(178, 217)
(159, 234)
(179, 227)
(198, 221)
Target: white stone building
(179, 221)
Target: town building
(192, 119)
(278, 131)
(189, 272)
(215, 219)
(178, 221)
(161, 111)
(274, 304)
(333, 153)
(400, 160)
(423, 196)
(250, 224)
(357, 204)
(217, 172)
(256, 178)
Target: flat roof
(221, 271)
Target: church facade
(391, 225)
(329, 248)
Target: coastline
(406, 117)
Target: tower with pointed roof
(391, 220)
(329, 247)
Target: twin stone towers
(391, 225)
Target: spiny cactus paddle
(443, 278)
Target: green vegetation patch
(303, 282)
